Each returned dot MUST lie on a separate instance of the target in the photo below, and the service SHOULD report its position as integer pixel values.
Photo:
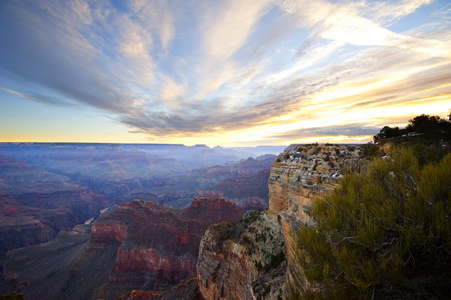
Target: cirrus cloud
(259, 70)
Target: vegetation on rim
(385, 232)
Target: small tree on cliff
(384, 233)
(388, 132)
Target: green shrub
(380, 232)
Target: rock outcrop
(242, 260)
(252, 258)
(300, 175)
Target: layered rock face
(300, 175)
(252, 258)
(248, 192)
(35, 204)
(158, 246)
(140, 245)
(244, 260)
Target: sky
(229, 73)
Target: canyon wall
(242, 260)
(36, 204)
(253, 258)
(300, 175)
(140, 245)
(159, 246)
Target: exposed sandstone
(244, 260)
(107, 233)
(300, 175)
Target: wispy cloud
(250, 70)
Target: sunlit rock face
(250, 259)
(300, 175)
(158, 246)
(242, 260)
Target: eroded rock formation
(141, 245)
(300, 175)
(243, 260)
(158, 246)
(246, 260)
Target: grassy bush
(380, 233)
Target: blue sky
(230, 73)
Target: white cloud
(388, 11)
(172, 93)
(310, 59)
(82, 11)
(229, 25)
(226, 29)
(155, 16)
(238, 72)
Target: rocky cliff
(243, 260)
(159, 245)
(300, 175)
(251, 259)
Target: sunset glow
(226, 73)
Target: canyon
(253, 258)
(139, 245)
(208, 250)
(35, 204)
(170, 175)
(46, 188)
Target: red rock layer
(159, 245)
(107, 233)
